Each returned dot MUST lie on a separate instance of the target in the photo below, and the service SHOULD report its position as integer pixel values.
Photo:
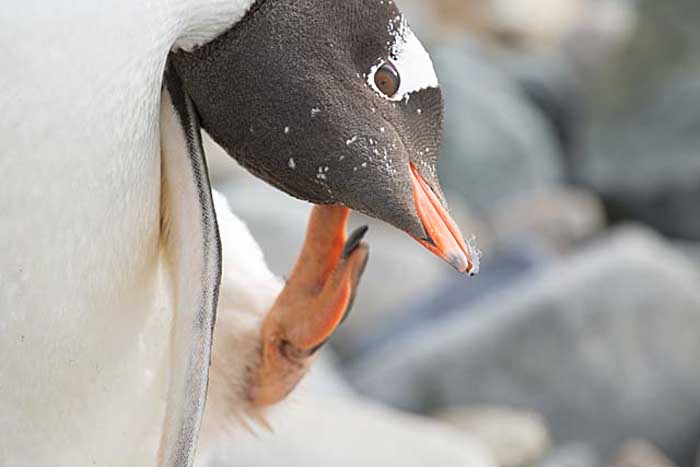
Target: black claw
(354, 241)
(318, 347)
(354, 292)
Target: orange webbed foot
(313, 303)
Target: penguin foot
(314, 302)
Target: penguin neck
(200, 21)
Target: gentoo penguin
(111, 246)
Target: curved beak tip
(444, 237)
(459, 262)
(467, 263)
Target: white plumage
(86, 297)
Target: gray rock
(515, 438)
(664, 42)
(648, 167)
(497, 145)
(572, 455)
(645, 128)
(604, 344)
(500, 268)
(522, 24)
(606, 27)
(690, 250)
(640, 453)
(561, 218)
(550, 81)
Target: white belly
(84, 324)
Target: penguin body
(87, 306)
(110, 249)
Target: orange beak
(444, 238)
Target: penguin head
(333, 102)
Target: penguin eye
(387, 79)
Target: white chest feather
(85, 309)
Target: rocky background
(572, 151)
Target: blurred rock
(317, 432)
(603, 344)
(572, 455)
(497, 145)
(515, 438)
(603, 29)
(644, 116)
(523, 24)
(440, 22)
(691, 250)
(535, 23)
(664, 44)
(550, 81)
(561, 218)
(501, 267)
(640, 453)
(648, 168)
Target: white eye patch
(412, 62)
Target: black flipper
(192, 247)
